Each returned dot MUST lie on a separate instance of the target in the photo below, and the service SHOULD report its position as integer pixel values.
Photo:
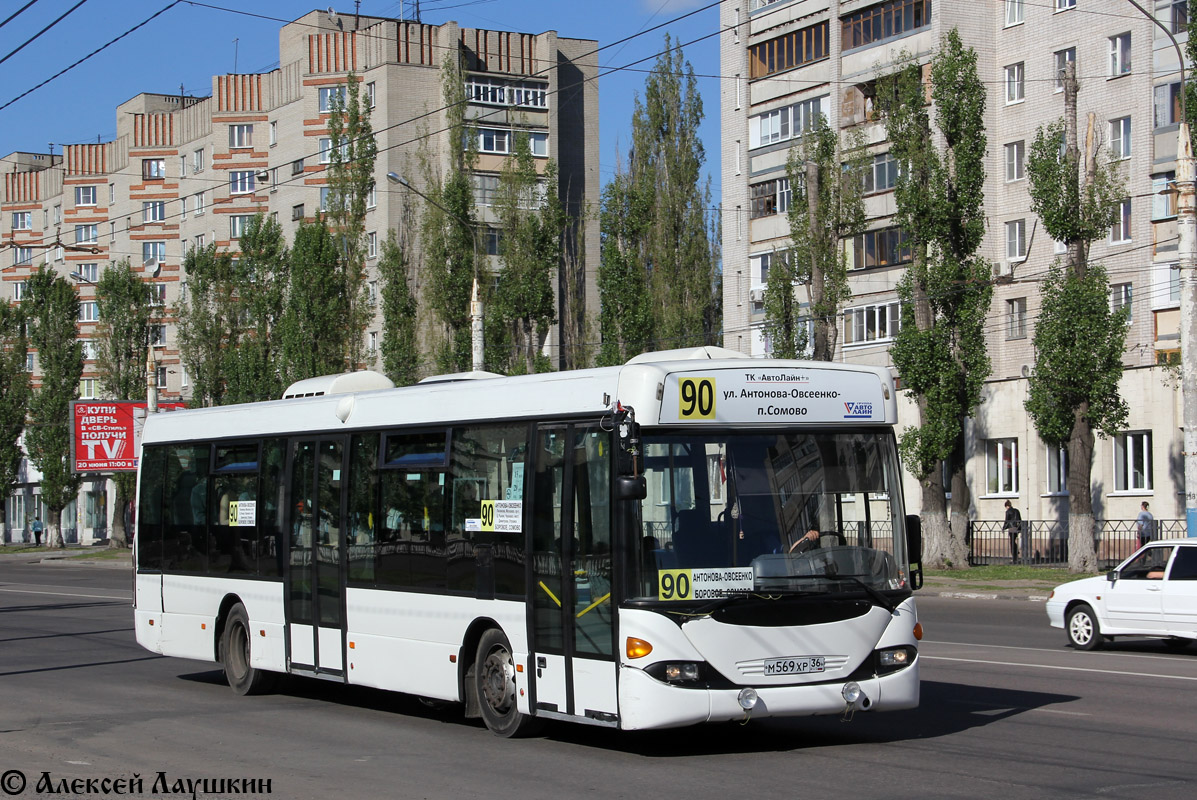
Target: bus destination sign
(772, 395)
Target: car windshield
(791, 511)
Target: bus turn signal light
(638, 648)
(918, 631)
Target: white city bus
(625, 546)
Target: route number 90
(697, 398)
(675, 584)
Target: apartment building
(186, 172)
(784, 61)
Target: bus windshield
(790, 511)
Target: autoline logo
(858, 410)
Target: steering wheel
(805, 545)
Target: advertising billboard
(106, 434)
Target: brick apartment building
(783, 61)
(186, 172)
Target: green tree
(209, 319)
(122, 338)
(531, 225)
(14, 392)
(625, 308)
(400, 344)
(261, 275)
(940, 349)
(1078, 340)
(313, 331)
(53, 308)
(350, 181)
(667, 245)
(827, 208)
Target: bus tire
(235, 655)
(494, 679)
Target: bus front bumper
(646, 703)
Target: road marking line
(1156, 656)
(68, 594)
(1067, 669)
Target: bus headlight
(747, 698)
(893, 659)
(681, 672)
(851, 692)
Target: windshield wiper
(881, 600)
(759, 594)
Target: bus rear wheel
(494, 676)
(234, 654)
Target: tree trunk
(117, 536)
(820, 350)
(957, 545)
(1082, 552)
(54, 529)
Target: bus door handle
(541, 663)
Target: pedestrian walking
(37, 531)
(1145, 523)
(1013, 527)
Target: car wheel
(494, 673)
(1083, 632)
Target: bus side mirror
(631, 487)
(914, 538)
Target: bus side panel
(147, 617)
(190, 608)
(403, 641)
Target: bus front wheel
(234, 654)
(494, 676)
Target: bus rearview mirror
(914, 538)
(631, 487)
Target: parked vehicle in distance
(1152, 593)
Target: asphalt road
(1007, 711)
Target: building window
(1167, 104)
(197, 160)
(241, 136)
(241, 181)
(86, 234)
(1120, 137)
(324, 195)
(785, 123)
(1180, 16)
(885, 247)
(238, 223)
(58, 212)
(158, 335)
(1016, 318)
(372, 244)
(494, 140)
(89, 349)
(372, 196)
(182, 208)
(88, 311)
(160, 378)
(372, 342)
(87, 389)
(22, 220)
(152, 253)
(297, 212)
(1174, 283)
(1120, 55)
(153, 211)
(486, 189)
(1001, 456)
(1015, 155)
(1063, 58)
(157, 294)
(370, 94)
(332, 95)
(29, 362)
(769, 198)
(493, 240)
(199, 245)
(199, 203)
(1014, 12)
(538, 143)
(882, 176)
(1057, 469)
(1016, 240)
(1120, 231)
(869, 324)
(18, 291)
(1014, 84)
(884, 21)
(1064, 5)
(1132, 461)
(498, 92)
(1163, 206)
(88, 272)
(1121, 295)
(84, 196)
(791, 50)
(22, 255)
(153, 169)
(326, 150)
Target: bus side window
(412, 548)
(363, 507)
(271, 526)
(149, 509)
(185, 531)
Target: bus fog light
(852, 692)
(681, 672)
(895, 658)
(748, 698)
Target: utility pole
(1186, 218)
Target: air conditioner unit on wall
(756, 295)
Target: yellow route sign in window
(696, 398)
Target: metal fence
(1045, 542)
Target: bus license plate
(795, 665)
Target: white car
(1152, 593)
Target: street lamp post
(476, 338)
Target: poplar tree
(1078, 340)
(940, 349)
(625, 309)
(122, 338)
(400, 345)
(14, 392)
(261, 276)
(208, 323)
(314, 335)
(53, 309)
(827, 208)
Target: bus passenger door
(316, 606)
(573, 659)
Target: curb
(1035, 598)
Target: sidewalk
(71, 555)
